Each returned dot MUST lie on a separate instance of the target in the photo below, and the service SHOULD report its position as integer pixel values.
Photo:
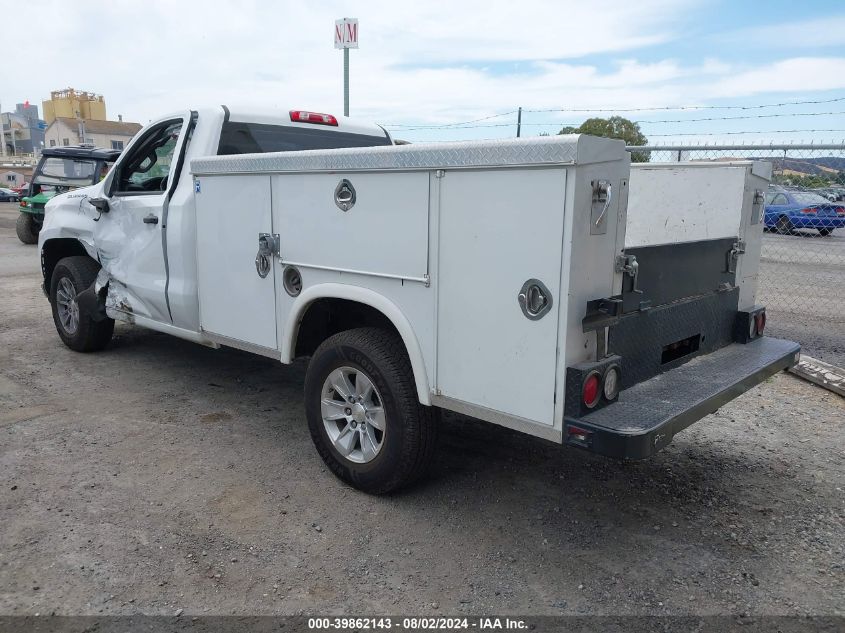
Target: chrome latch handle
(268, 246)
(737, 249)
(534, 299)
(602, 192)
(628, 265)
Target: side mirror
(101, 204)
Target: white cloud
(423, 61)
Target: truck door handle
(151, 219)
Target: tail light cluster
(592, 385)
(750, 324)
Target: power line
(447, 125)
(693, 107)
(459, 126)
(415, 126)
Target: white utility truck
(489, 278)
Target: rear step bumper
(648, 415)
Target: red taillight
(840, 211)
(809, 210)
(591, 390)
(301, 116)
(24, 203)
(760, 322)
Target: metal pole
(519, 122)
(345, 82)
(3, 134)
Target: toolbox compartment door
(499, 229)
(236, 303)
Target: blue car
(787, 211)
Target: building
(74, 104)
(23, 130)
(65, 131)
(15, 175)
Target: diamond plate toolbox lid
(546, 150)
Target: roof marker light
(303, 116)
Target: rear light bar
(809, 210)
(301, 116)
(840, 211)
(592, 385)
(750, 324)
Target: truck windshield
(68, 172)
(259, 138)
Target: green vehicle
(60, 170)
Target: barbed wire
(760, 132)
(415, 126)
(458, 126)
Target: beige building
(73, 104)
(65, 131)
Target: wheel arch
(365, 297)
(55, 248)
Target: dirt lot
(159, 475)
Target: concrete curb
(820, 373)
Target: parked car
(7, 195)
(789, 210)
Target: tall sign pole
(346, 37)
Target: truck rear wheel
(77, 329)
(363, 412)
(27, 228)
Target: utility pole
(345, 82)
(3, 134)
(519, 122)
(346, 37)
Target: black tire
(27, 228)
(825, 232)
(410, 431)
(784, 225)
(89, 335)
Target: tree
(614, 127)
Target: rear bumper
(649, 414)
(817, 222)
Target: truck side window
(147, 167)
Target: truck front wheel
(363, 412)
(77, 329)
(27, 228)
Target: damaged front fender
(92, 300)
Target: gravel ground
(161, 476)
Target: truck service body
(493, 279)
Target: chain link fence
(802, 266)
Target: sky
(423, 67)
